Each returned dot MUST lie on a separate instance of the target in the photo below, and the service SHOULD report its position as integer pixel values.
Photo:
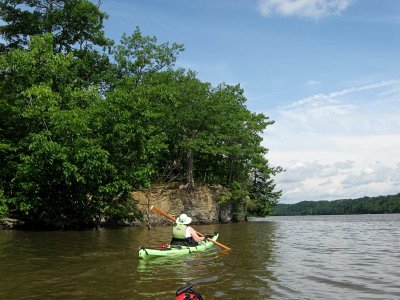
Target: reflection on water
(173, 273)
(313, 257)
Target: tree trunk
(189, 176)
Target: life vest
(179, 232)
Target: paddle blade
(160, 212)
(219, 244)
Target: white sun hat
(183, 219)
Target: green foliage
(365, 205)
(75, 24)
(76, 27)
(62, 174)
(263, 192)
(3, 205)
(125, 127)
(236, 194)
(208, 128)
(238, 198)
(79, 133)
(139, 55)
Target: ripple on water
(331, 257)
(323, 257)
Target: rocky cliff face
(201, 205)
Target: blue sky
(327, 72)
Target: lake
(305, 257)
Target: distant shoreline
(367, 205)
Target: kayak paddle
(159, 211)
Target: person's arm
(195, 236)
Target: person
(182, 234)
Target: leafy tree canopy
(75, 24)
(84, 122)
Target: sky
(326, 71)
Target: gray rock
(9, 223)
(202, 204)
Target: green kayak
(172, 250)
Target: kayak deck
(173, 250)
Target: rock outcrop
(202, 204)
(9, 223)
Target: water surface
(308, 257)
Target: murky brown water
(313, 257)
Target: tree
(263, 192)
(79, 133)
(77, 28)
(75, 24)
(138, 56)
(62, 174)
(129, 122)
(213, 136)
(190, 121)
(124, 125)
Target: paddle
(159, 211)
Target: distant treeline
(365, 205)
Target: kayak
(187, 292)
(173, 250)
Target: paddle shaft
(159, 211)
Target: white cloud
(310, 170)
(303, 8)
(372, 174)
(344, 144)
(348, 110)
(330, 183)
(319, 107)
(395, 176)
(344, 164)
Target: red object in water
(185, 296)
(187, 293)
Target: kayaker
(182, 234)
